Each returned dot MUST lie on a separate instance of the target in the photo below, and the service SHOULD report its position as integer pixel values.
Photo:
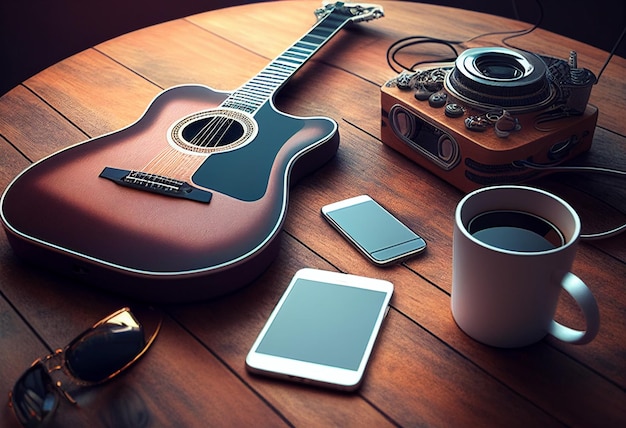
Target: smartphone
(373, 230)
(322, 330)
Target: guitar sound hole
(213, 130)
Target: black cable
(514, 34)
(406, 42)
(587, 169)
(617, 43)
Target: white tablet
(323, 329)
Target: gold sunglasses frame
(56, 362)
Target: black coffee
(515, 231)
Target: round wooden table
(424, 370)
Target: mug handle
(582, 295)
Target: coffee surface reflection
(515, 231)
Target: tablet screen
(324, 323)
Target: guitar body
(62, 213)
(188, 202)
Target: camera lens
(499, 67)
(500, 78)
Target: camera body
(476, 121)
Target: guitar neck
(264, 85)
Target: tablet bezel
(314, 373)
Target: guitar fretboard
(264, 85)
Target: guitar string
(216, 128)
(274, 75)
(172, 162)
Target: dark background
(35, 34)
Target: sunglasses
(97, 355)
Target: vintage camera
(484, 118)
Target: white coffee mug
(508, 297)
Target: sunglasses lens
(34, 398)
(106, 349)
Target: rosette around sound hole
(501, 78)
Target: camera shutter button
(454, 110)
(422, 94)
(438, 99)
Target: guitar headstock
(354, 12)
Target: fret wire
(260, 88)
(276, 74)
(323, 27)
(333, 18)
(257, 89)
(241, 97)
(267, 78)
(250, 100)
(264, 75)
(247, 97)
(315, 39)
(266, 91)
(296, 55)
(306, 45)
(261, 82)
(300, 50)
(286, 67)
(284, 60)
(285, 71)
(253, 93)
(283, 68)
(321, 33)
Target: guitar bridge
(155, 184)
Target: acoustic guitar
(187, 202)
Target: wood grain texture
(424, 371)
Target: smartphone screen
(373, 230)
(323, 329)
